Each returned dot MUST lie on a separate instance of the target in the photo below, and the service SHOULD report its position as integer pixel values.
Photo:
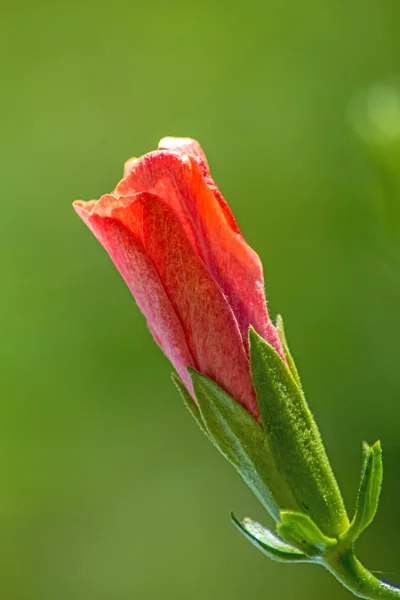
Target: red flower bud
(176, 243)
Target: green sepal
(282, 336)
(242, 441)
(369, 491)
(268, 543)
(301, 531)
(294, 440)
(189, 403)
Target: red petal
(209, 224)
(192, 148)
(184, 145)
(129, 165)
(209, 325)
(142, 279)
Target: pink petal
(192, 148)
(136, 268)
(209, 325)
(128, 166)
(185, 146)
(182, 182)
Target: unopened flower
(176, 243)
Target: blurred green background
(108, 491)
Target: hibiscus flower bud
(175, 241)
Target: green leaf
(282, 335)
(294, 440)
(369, 491)
(263, 539)
(301, 531)
(243, 442)
(189, 403)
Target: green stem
(356, 578)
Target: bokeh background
(108, 491)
